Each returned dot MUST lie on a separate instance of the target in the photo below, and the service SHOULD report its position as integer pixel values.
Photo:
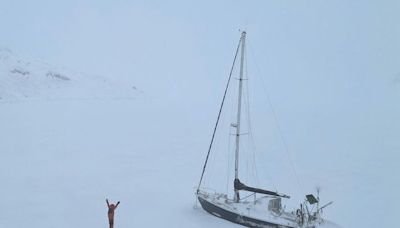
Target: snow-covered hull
(232, 216)
(236, 218)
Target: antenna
(318, 188)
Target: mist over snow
(29, 79)
(118, 100)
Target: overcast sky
(161, 40)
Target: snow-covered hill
(22, 78)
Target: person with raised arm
(111, 209)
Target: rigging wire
(232, 119)
(246, 105)
(254, 150)
(249, 125)
(229, 161)
(251, 141)
(219, 115)
(286, 148)
(246, 102)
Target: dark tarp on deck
(240, 186)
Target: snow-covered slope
(60, 160)
(21, 78)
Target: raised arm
(108, 204)
(117, 205)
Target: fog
(330, 71)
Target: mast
(243, 39)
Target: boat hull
(236, 218)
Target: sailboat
(265, 211)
